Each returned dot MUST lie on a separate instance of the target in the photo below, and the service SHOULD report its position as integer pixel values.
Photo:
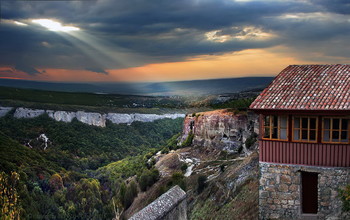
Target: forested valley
(80, 172)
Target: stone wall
(171, 205)
(280, 188)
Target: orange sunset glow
(253, 62)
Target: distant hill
(194, 87)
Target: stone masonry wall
(171, 205)
(280, 188)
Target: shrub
(222, 167)
(151, 163)
(184, 167)
(178, 179)
(148, 155)
(127, 194)
(201, 183)
(188, 141)
(148, 178)
(344, 195)
(165, 150)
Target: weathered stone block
(286, 179)
(283, 188)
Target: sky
(168, 40)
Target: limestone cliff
(61, 115)
(221, 129)
(90, 118)
(28, 113)
(4, 110)
(118, 118)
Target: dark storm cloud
(164, 30)
(27, 69)
(336, 6)
(96, 70)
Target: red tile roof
(307, 87)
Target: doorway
(309, 190)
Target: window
(275, 127)
(335, 130)
(305, 129)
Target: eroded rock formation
(4, 110)
(61, 115)
(221, 129)
(28, 113)
(90, 118)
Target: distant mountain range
(195, 87)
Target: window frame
(308, 129)
(271, 127)
(331, 129)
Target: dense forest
(81, 172)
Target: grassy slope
(226, 196)
(16, 157)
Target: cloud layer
(121, 34)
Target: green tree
(9, 203)
(129, 195)
(148, 178)
(55, 182)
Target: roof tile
(308, 87)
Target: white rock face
(146, 117)
(4, 110)
(118, 118)
(28, 113)
(44, 139)
(92, 118)
(61, 115)
(153, 117)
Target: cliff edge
(221, 129)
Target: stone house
(304, 142)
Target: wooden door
(309, 192)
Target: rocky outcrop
(118, 118)
(221, 129)
(28, 113)
(90, 118)
(4, 110)
(169, 206)
(61, 115)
